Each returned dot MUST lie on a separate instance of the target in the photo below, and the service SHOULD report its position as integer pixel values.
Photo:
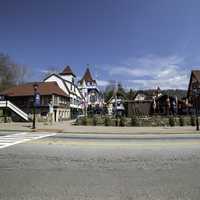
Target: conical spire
(87, 77)
(67, 71)
(158, 89)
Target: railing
(17, 110)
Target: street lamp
(35, 87)
(196, 94)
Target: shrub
(107, 121)
(134, 121)
(116, 121)
(171, 121)
(181, 121)
(94, 121)
(192, 120)
(122, 121)
(84, 121)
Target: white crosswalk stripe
(9, 140)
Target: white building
(89, 89)
(115, 106)
(66, 80)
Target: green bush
(134, 121)
(107, 121)
(94, 121)
(84, 121)
(192, 120)
(122, 121)
(181, 121)
(171, 121)
(116, 121)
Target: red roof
(67, 71)
(44, 88)
(87, 77)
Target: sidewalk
(66, 127)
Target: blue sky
(141, 43)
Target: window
(62, 100)
(72, 85)
(93, 98)
(55, 100)
(45, 100)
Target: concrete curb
(107, 133)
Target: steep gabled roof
(44, 88)
(67, 71)
(64, 82)
(195, 75)
(158, 89)
(87, 77)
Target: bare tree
(10, 72)
(50, 70)
(21, 72)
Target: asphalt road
(66, 167)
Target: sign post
(36, 102)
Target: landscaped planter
(137, 121)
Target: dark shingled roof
(87, 77)
(196, 74)
(44, 88)
(67, 71)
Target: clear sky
(142, 43)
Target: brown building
(142, 103)
(194, 78)
(51, 95)
(194, 93)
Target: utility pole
(115, 96)
(196, 94)
(197, 117)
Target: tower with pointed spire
(67, 74)
(87, 79)
(90, 90)
(66, 81)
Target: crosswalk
(12, 139)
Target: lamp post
(196, 94)
(35, 87)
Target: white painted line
(10, 140)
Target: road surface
(99, 167)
